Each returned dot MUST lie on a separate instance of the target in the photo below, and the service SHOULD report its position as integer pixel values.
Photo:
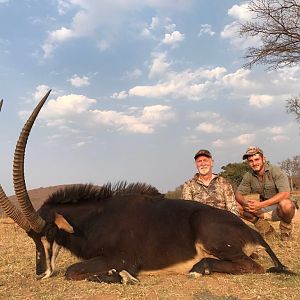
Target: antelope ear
(62, 223)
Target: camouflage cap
(252, 151)
(203, 152)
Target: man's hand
(253, 206)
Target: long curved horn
(12, 212)
(35, 221)
(9, 209)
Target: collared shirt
(274, 181)
(218, 193)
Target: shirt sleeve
(281, 180)
(245, 186)
(230, 198)
(186, 193)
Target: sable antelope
(124, 230)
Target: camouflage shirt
(218, 193)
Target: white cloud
(278, 133)
(260, 101)
(231, 31)
(170, 27)
(289, 73)
(120, 95)
(40, 92)
(260, 89)
(80, 144)
(206, 29)
(48, 49)
(280, 138)
(56, 37)
(276, 130)
(159, 65)
(239, 80)
(58, 112)
(148, 30)
(63, 6)
(157, 91)
(67, 105)
(156, 113)
(78, 81)
(188, 84)
(61, 34)
(4, 1)
(68, 111)
(218, 143)
(100, 20)
(244, 139)
(240, 12)
(144, 122)
(122, 122)
(208, 127)
(145, 32)
(205, 115)
(133, 74)
(214, 73)
(173, 38)
(155, 23)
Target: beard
(203, 170)
(258, 168)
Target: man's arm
(240, 199)
(244, 188)
(283, 187)
(228, 196)
(257, 205)
(186, 193)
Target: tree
(293, 107)
(276, 23)
(291, 167)
(234, 172)
(175, 194)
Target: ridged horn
(35, 221)
(12, 212)
(9, 209)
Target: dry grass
(17, 277)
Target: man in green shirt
(273, 203)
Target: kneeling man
(273, 203)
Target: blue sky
(138, 86)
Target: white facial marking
(55, 251)
(46, 246)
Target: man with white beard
(207, 187)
